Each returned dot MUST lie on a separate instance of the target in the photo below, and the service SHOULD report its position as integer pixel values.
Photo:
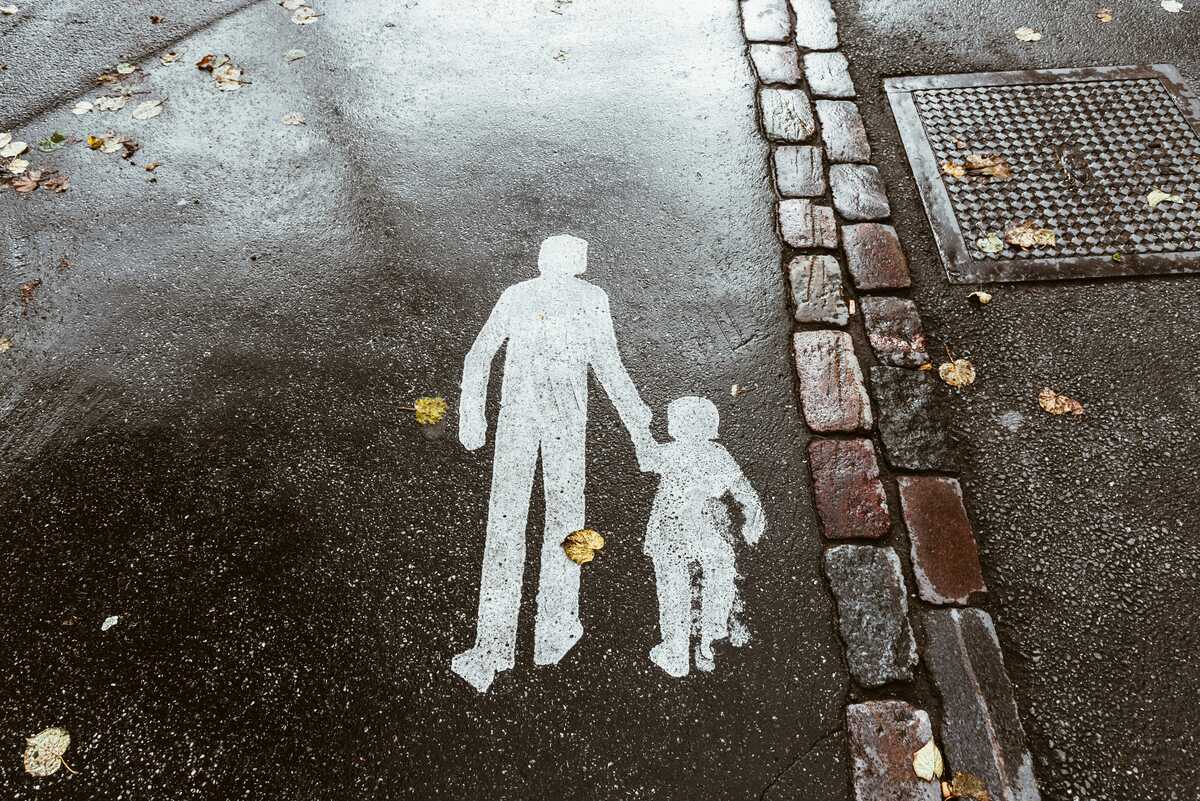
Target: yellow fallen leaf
(980, 297)
(958, 373)
(1159, 196)
(1104, 14)
(954, 169)
(1054, 403)
(966, 786)
(44, 751)
(429, 411)
(927, 762)
(5, 344)
(581, 546)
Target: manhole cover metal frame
(951, 245)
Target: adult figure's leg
(503, 553)
(558, 628)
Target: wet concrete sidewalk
(202, 428)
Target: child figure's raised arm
(752, 511)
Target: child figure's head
(692, 419)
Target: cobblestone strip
(845, 264)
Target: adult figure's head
(563, 255)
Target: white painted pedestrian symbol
(690, 531)
(555, 327)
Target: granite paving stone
(981, 729)
(832, 392)
(872, 613)
(843, 133)
(804, 224)
(894, 330)
(850, 499)
(817, 290)
(799, 170)
(883, 737)
(912, 419)
(776, 63)
(828, 74)
(874, 256)
(858, 191)
(945, 558)
(787, 114)
(816, 24)
(766, 20)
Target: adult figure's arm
(477, 371)
(613, 377)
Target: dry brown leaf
(27, 291)
(228, 75)
(581, 546)
(206, 62)
(980, 297)
(958, 373)
(1057, 404)
(152, 166)
(44, 751)
(991, 164)
(965, 786)
(1104, 14)
(56, 183)
(24, 184)
(1027, 236)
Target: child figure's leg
(674, 614)
(717, 593)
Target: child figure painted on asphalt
(690, 532)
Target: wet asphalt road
(201, 428)
(1087, 526)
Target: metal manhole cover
(1085, 147)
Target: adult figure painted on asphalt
(556, 327)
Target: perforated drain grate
(1086, 147)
